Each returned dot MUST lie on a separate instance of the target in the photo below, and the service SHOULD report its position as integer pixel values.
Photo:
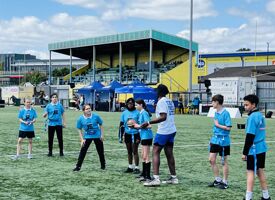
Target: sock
(156, 176)
(131, 166)
(225, 181)
(143, 169)
(248, 195)
(265, 194)
(136, 167)
(148, 170)
(218, 179)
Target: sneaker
(103, 167)
(15, 157)
(61, 154)
(266, 199)
(152, 183)
(142, 179)
(222, 185)
(171, 180)
(136, 171)
(214, 184)
(76, 169)
(128, 170)
(50, 155)
(29, 156)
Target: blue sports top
(55, 112)
(221, 136)
(127, 115)
(90, 125)
(145, 133)
(27, 115)
(255, 125)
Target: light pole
(190, 48)
(267, 54)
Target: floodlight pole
(267, 54)
(120, 62)
(190, 48)
(150, 59)
(50, 70)
(94, 57)
(71, 65)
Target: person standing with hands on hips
(56, 122)
(254, 151)
(165, 112)
(91, 123)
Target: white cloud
(33, 34)
(270, 7)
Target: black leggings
(59, 133)
(100, 150)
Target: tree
(244, 49)
(35, 77)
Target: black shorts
(147, 142)
(260, 161)
(129, 138)
(215, 148)
(28, 134)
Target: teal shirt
(27, 115)
(127, 115)
(55, 112)
(145, 133)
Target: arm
(82, 140)
(63, 120)
(227, 128)
(248, 143)
(22, 121)
(160, 119)
(102, 134)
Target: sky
(28, 26)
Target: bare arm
(227, 128)
(102, 134)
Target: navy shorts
(260, 161)
(147, 142)
(215, 148)
(164, 140)
(129, 138)
(28, 134)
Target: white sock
(131, 166)
(136, 167)
(218, 179)
(156, 176)
(248, 195)
(225, 181)
(265, 194)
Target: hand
(64, 125)
(244, 158)
(102, 138)
(136, 126)
(144, 125)
(25, 122)
(82, 142)
(44, 115)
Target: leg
(135, 153)
(51, 130)
(130, 153)
(30, 146)
(156, 159)
(262, 179)
(225, 168)
(170, 159)
(212, 160)
(250, 180)
(59, 133)
(19, 146)
(100, 151)
(83, 152)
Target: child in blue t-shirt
(27, 117)
(254, 151)
(56, 122)
(90, 129)
(220, 142)
(146, 136)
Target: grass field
(52, 178)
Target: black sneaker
(76, 169)
(136, 171)
(222, 185)
(103, 167)
(61, 154)
(128, 170)
(214, 184)
(50, 155)
(266, 199)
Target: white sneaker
(29, 156)
(171, 180)
(152, 183)
(15, 157)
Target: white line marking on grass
(124, 149)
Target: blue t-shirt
(55, 112)
(27, 115)
(255, 125)
(221, 136)
(90, 125)
(145, 133)
(127, 115)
